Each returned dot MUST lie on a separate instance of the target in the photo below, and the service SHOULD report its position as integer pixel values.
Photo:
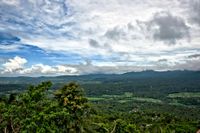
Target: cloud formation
(40, 69)
(14, 64)
(94, 43)
(115, 35)
(17, 66)
(8, 38)
(169, 28)
(194, 56)
(195, 11)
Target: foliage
(66, 110)
(35, 111)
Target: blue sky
(72, 37)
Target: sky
(74, 37)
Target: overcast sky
(56, 37)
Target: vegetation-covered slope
(66, 110)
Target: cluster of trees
(36, 111)
(143, 122)
(68, 111)
(145, 87)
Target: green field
(126, 97)
(95, 98)
(185, 95)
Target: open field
(185, 95)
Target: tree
(71, 97)
(34, 111)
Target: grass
(126, 97)
(95, 98)
(185, 95)
(151, 100)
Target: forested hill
(147, 101)
(146, 83)
(173, 75)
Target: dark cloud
(188, 65)
(162, 60)
(115, 34)
(194, 56)
(94, 43)
(122, 32)
(168, 28)
(195, 8)
(192, 8)
(7, 38)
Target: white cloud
(112, 22)
(11, 2)
(41, 69)
(15, 64)
(8, 48)
(108, 29)
(64, 69)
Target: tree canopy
(36, 111)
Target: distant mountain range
(150, 74)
